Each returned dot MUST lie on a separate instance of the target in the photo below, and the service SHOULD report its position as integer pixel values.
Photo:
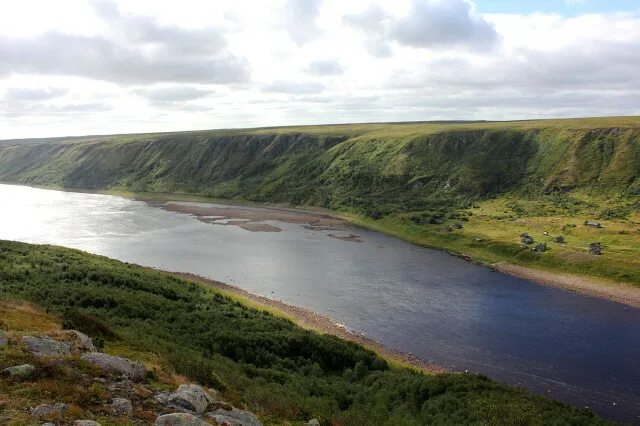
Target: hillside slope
(255, 360)
(413, 180)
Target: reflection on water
(574, 348)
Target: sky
(75, 67)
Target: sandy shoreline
(610, 290)
(312, 320)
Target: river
(578, 349)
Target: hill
(470, 187)
(183, 332)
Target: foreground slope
(257, 361)
(414, 180)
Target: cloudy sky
(74, 67)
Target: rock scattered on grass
(559, 239)
(190, 397)
(80, 342)
(3, 339)
(313, 422)
(593, 224)
(121, 407)
(46, 347)
(540, 248)
(526, 238)
(115, 364)
(180, 419)
(24, 371)
(48, 410)
(595, 248)
(234, 417)
(86, 423)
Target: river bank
(311, 320)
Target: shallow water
(574, 348)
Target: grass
(257, 360)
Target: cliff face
(360, 171)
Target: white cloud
(152, 65)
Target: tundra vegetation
(255, 360)
(418, 181)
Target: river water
(578, 349)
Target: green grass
(259, 361)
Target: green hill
(254, 359)
(498, 178)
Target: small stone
(19, 371)
(48, 410)
(234, 417)
(3, 338)
(313, 422)
(115, 364)
(540, 248)
(48, 424)
(595, 248)
(526, 239)
(121, 407)
(190, 397)
(86, 423)
(559, 239)
(44, 346)
(180, 419)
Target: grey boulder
(190, 397)
(313, 422)
(180, 419)
(234, 417)
(121, 407)
(80, 342)
(19, 371)
(115, 364)
(86, 423)
(48, 410)
(44, 346)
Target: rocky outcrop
(190, 397)
(114, 364)
(180, 419)
(45, 347)
(121, 407)
(24, 371)
(234, 417)
(48, 411)
(80, 342)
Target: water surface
(575, 348)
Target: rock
(121, 407)
(86, 423)
(313, 422)
(190, 397)
(3, 339)
(180, 419)
(80, 342)
(115, 364)
(162, 398)
(458, 225)
(44, 346)
(595, 248)
(526, 238)
(436, 221)
(546, 233)
(559, 239)
(478, 240)
(447, 229)
(24, 371)
(120, 387)
(219, 405)
(593, 224)
(540, 248)
(48, 411)
(234, 417)
(47, 424)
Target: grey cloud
(147, 53)
(291, 87)
(172, 93)
(20, 94)
(43, 109)
(325, 68)
(373, 22)
(442, 23)
(300, 20)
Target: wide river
(574, 348)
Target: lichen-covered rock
(24, 371)
(313, 422)
(47, 411)
(121, 407)
(234, 417)
(162, 398)
(86, 423)
(190, 397)
(44, 346)
(115, 364)
(180, 419)
(80, 342)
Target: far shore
(318, 322)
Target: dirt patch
(617, 292)
(309, 319)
